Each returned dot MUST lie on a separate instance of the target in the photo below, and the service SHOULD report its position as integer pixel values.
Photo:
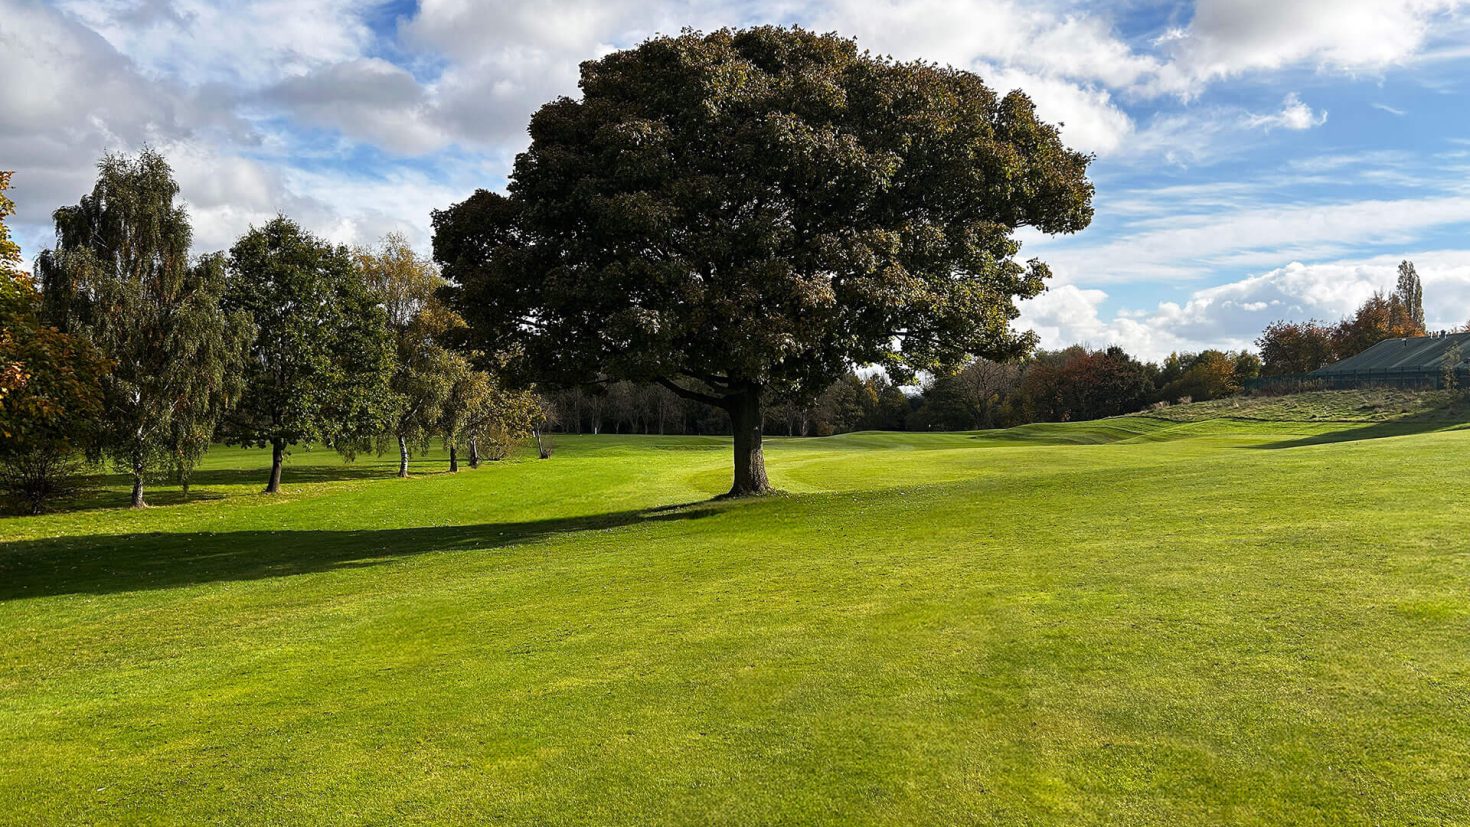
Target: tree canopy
(743, 215)
(321, 357)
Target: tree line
(134, 352)
(1073, 383)
(1291, 348)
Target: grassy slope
(1136, 620)
(1365, 405)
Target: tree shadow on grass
(134, 562)
(102, 491)
(1378, 430)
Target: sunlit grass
(1128, 621)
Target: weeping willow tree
(122, 276)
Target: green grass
(1130, 621)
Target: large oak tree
(741, 216)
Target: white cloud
(369, 99)
(1232, 315)
(1231, 37)
(69, 96)
(240, 42)
(1294, 115)
(1173, 247)
(1089, 120)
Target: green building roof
(1420, 354)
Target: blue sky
(1256, 159)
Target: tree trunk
(750, 462)
(402, 457)
(278, 453)
(138, 486)
(474, 452)
(541, 449)
(453, 459)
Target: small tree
(543, 416)
(1450, 367)
(319, 364)
(121, 276)
(1210, 374)
(1295, 347)
(480, 413)
(424, 371)
(742, 216)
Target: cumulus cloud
(1233, 37)
(69, 96)
(369, 99)
(1173, 247)
(240, 42)
(1232, 315)
(1294, 115)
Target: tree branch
(679, 390)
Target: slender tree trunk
(453, 459)
(138, 485)
(402, 457)
(541, 450)
(474, 452)
(750, 461)
(278, 454)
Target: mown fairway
(1130, 621)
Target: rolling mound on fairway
(1146, 619)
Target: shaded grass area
(164, 560)
(1137, 622)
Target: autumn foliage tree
(1378, 319)
(743, 215)
(50, 387)
(13, 295)
(1077, 383)
(425, 371)
(1290, 348)
(484, 417)
(50, 419)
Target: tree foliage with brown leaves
(50, 387)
